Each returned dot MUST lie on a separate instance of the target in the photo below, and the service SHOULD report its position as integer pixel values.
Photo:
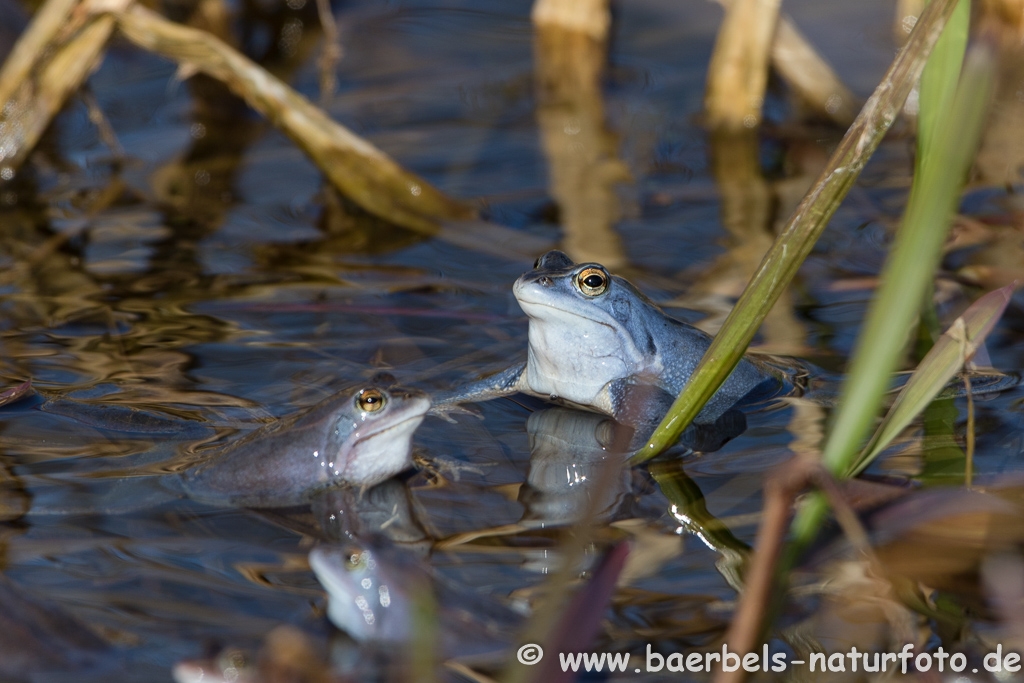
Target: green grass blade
(911, 266)
(905, 278)
(939, 81)
(805, 226)
(936, 369)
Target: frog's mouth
(526, 305)
(408, 423)
(384, 450)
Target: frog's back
(680, 347)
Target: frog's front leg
(504, 383)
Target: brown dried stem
(779, 493)
(358, 169)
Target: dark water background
(213, 276)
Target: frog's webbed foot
(447, 468)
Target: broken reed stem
(65, 43)
(813, 81)
(588, 17)
(47, 22)
(810, 76)
(359, 170)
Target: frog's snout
(545, 281)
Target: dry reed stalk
(359, 170)
(50, 19)
(738, 73)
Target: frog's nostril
(545, 281)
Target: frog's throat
(528, 303)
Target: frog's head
(587, 327)
(360, 436)
(372, 432)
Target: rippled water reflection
(211, 277)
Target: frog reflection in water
(359, 437)
(374, 589)
(596, 342)
(568, 450)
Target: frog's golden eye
(591, 281)
(370, 400)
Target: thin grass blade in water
(936, 369)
